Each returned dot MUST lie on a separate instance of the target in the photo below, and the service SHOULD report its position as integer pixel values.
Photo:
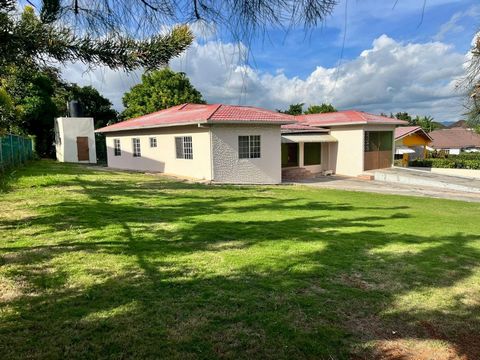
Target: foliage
(27, 40)
(448, 162)
(38, 95)
(239, 19)
(293, 109)
(159, 90)
(320, 109)
(427, 123)
(297, 109)
(103, 264)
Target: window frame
(117, 150)
(136, 153)
(184, 147)
(249, 147)
(153, 141)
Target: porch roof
(307, 138)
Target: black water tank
(74, 109)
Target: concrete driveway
(356, 184)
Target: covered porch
(306, 155)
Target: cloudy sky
(369, 55)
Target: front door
(82, 148)
(289, 154)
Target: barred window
(116, 147)
(249, 147)
(136, 147)
(184, 147)
(153, 142)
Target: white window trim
(153, 142)
(184, 140)
(134, 153)
(115, 142)
(250, 152)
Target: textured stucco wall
(163, 157)
(227, 167)
(69, 129)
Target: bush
(450, 163)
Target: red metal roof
(201, 114)
(456, 138)
(347, 117)
(403, 131)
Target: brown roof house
(455, 140)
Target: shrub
(451, 163)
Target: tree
(29, 39)
(293, 109)
(320, 109)
(93, 104)
(159, 90)
(404, 116)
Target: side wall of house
(228, 168)
(163, 157)
(346, 155)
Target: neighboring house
(455, 140)
(243, 144)
(75, 140)
(411, 142)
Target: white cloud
(453, 25)
(390, 76)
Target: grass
(100, 264)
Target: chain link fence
(14, 150)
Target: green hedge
(450, 162)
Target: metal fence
(14, 150)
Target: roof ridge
(214, 111)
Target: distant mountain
(447, 124)
(459, 124)
(439, 125)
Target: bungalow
(455, 140)
(244, 144)
(411, 143)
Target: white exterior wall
(227, 167)
(163, 157)
(68, 129)
(346, 156)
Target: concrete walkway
(373, 186)
(421, 178)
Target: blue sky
(402, 58)
(366, 20)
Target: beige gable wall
(346, 155)
(227, 167)
(163, 157)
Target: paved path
(355, 184)
(420, 178)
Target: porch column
(301, 154)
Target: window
(184, 147)
(312, 154)
(249, 147)
(153, 142)
(378, 141)
(116, 147)
(136, 147)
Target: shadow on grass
(322, 302)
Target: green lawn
(100, 264)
